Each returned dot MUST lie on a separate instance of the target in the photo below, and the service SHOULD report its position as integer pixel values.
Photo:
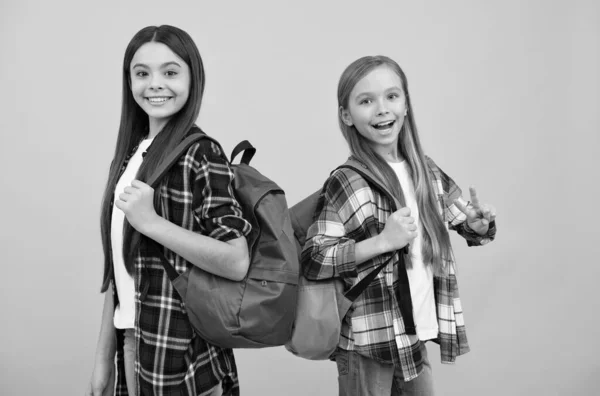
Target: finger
(485, 212)
(480, 223)
(141, 185)
(405, 211)
(474, 198)
(120, 205)
(130, 190)
(408, 219)
(124, 197)
(138, 184)
(411, 227)
(492, 213)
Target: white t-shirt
(124, 317)
(420, 277)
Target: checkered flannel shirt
(171, 359)
(350, 211)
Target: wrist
(381, 244)
(150, 226)
(482, 231)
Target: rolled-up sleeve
(329, 250)
(457, 219)
(216, 208)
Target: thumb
(405, 211)
(140, 184)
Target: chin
(159, 114)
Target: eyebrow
(161, 66)
(387, 90)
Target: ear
(346, 117)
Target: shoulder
(347, 188)
(205, 150)
(345, 179)
(206, 147)
(436, 171)
(204, 155)
(441, 180)
(432, 166)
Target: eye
(141, 74)
(171, 73)
(364, 101)
(393, 96)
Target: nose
(381, 107)
(156, 81)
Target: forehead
(379, 79)
(155, 54)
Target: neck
(390, 154)
(155, 125)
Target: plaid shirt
(171, 359)
(350, 211)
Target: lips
(158, 100)
(384, 125)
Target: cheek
(359, 115)
(362, 119)
(184, 92)
(137, 88)
(362, 129)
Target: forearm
(106, 347)
(369, 248)
(226, 259)
(326, 257)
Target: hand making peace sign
(479, 216)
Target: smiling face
(376, 108)
(160, 83)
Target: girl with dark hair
(193, 214)
(382, 344)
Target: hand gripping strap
(155, 179)
(404, 298)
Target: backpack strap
(364, 171)
(173, 157)
(356, 290)
(160, 172)
(248, 150)
(404, 298)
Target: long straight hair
(134, 127)
(436, 249)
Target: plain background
(506, 96)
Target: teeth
(157, 100)
(383, 125)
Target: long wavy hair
(134, 127)
(436, 249)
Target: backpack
(323, 304)
(258, 311)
